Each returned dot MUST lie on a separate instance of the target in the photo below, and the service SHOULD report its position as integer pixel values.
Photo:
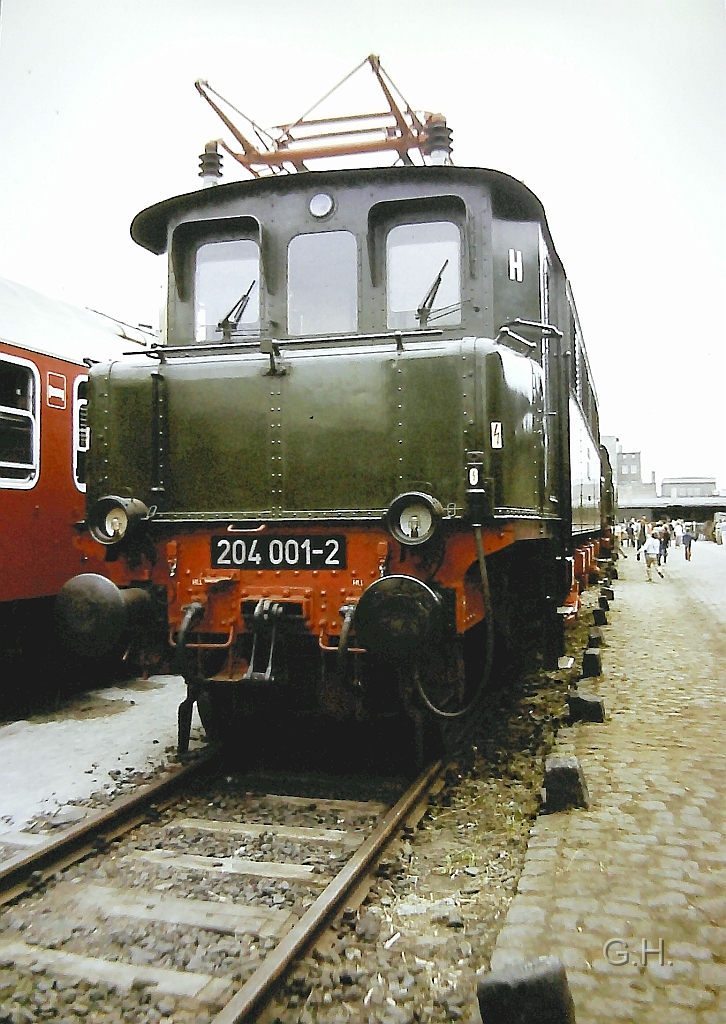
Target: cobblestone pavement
(647, 862)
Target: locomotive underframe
(238, 633)
(314, 596)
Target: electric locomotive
(374, 387)
(367, 455)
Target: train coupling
(265, 621)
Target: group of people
(653, 540)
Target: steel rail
(25, 871)
(260, 986)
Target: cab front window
(227, 290)
(423, 271)
(322, 283)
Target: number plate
(270, 551)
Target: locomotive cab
(374, 385)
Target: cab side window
(81, 431)
(227, 290)
(322, 283)
(423, 275)
(19, 423)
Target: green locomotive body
(374, 385)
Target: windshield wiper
(424, 310)
(445, 310)
(231, 321)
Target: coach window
(227, 290)
(81, 431)
(19, 428)
(423, 275)
(322, 283)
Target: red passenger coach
(46, 347)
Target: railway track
(186, 904)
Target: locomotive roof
(35, 322)
(150, 227)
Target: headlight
(112, 519)
(414, 517)
(116, 523)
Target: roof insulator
(210, 164)
(438, 139)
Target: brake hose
(191, 613)
(184, 712)
(347, 611)
(489, 620)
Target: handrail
(162, 351)
(539, 325)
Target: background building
(688, 487)
(694, 498)
(628, 466)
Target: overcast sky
(612, 111)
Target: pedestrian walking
(678, 532)
(630, 530)
(620, 540)
(650, 553)
(688, 539)
(665, 539)
(642, 536)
